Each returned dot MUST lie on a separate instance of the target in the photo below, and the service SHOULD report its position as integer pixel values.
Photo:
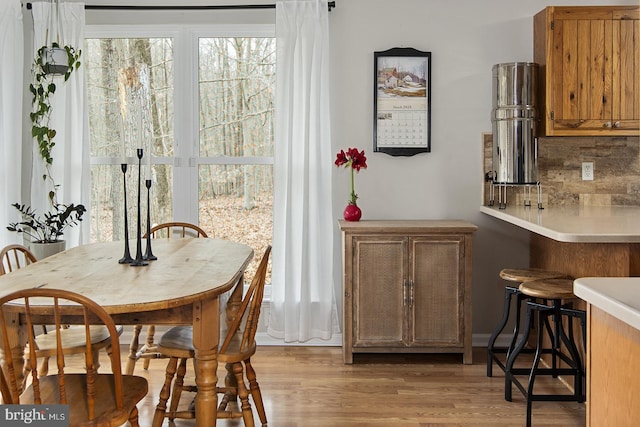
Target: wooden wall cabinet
(407, 287)
(589, 61)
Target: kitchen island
(587, 241)
(613, 330)
(602, 241)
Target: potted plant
(50, 61)
(47, 229)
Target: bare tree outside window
(234, 152)
(105, 60)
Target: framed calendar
(402, 102)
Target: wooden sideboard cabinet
(589, 68)
(407, 287)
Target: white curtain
(11, 93)
(303, 303)
(70, 169)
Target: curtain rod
(330, 4)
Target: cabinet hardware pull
(616, 124)
(607, 124)
(404, 292)
(411, 288)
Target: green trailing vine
(42, 88)
(50, 226)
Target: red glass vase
(352, 212)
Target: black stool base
(575, 368)
(492, 350)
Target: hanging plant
(50, 61)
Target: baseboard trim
(262, 338)
(481, 340)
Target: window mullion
(185, 175)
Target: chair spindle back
(13, 257)
(36, 304)
(253, 301)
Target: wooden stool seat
(527, 274)
(548, 289)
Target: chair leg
(509, 292)
(161, 408)
(254, 388)
(520, 299)
(109, 351)
(243, 394)
(133, 417)
(542, 319)
(44, 367)
(96, 359)
(151, 331)
(508, 378)
(133, 349)
(230, 382)
(177, 388)
(26, 370)
(570, 344)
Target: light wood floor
(311, 387)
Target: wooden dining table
(182, 286)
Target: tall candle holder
(126, 258)
(139, 261)
(149, 254)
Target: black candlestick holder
(126, 258)
(149, 254)
(139, 261)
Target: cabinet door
(626, 71)
(581, 88)
(379, 275)
(593, 86)
(437, 291)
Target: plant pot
(352, 212)
(55, 61)
(43, 250)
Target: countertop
(617, 296)
(577, 224)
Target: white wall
(466, 38)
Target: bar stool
(546, 298)
(514, 275)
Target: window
(207, 101)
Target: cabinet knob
(616, 124)
(607, 124)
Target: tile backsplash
(616, 166)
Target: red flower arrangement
(355, 160)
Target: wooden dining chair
(176, 229)
(148, 350)
(94, 399)
(13, 257)
(236, 350)
(16, 256)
